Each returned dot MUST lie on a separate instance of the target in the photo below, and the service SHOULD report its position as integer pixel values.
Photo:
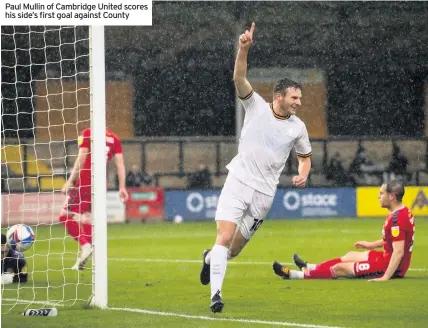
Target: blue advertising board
(288, 203)
(314, 203)
(192, 204)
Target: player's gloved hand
(7, 278)
(299, 181)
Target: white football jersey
(265, 144)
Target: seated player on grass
(393, 262)
(13, 264)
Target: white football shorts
(242, 205)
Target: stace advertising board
(314, 203)
(288, 203)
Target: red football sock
(71, 225)
(323, 272)
(73, 229)
(329, 263)
(87, 232)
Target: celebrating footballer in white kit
(269, 133)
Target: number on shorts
(257, 223)
(363, 266)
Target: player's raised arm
(243, 87)
(78, 164)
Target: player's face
(290, 101)
(384, 197)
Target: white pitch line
(187, 261)
(228, 263)
(197, 317)
(31, 302)
(210, 234)
(124, 259)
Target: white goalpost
(52, 88)
(99, 187)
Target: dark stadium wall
(373, 53)
(426, 107)
(55, 116)
(379, 98)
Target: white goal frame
(98, 157)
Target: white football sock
(208, 258)
(311, 266)
(296, 274)
(218, 267)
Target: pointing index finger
(253, 26)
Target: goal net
(45, 106)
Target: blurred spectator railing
(172, 159)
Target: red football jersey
(113, 146)
(399, 225)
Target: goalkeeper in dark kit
(13, 264)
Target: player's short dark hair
(396, 188)
(3, 239)
(283, 84)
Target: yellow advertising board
(415, 198)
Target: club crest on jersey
(395, 231)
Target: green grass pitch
(155, 267)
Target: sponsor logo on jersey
(395, 231)
(110, 140)
(420, 201)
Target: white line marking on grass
(175, 235)
(125, 259)
(228, 263)
(187, 261)
(197, 317)
(18, 301)
(418, 269)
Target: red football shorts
(374, 267)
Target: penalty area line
(197, 317)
